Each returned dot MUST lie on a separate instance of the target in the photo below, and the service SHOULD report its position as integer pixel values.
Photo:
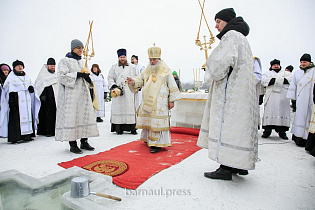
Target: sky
(34, 30)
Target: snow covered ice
(283, 178)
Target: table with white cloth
(188, 111)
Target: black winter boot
(283, 135)
(86, 145)
(266, 134)
(74, 147)
(221, 173)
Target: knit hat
(121, 52)
(175, 73)
(306, 57)
(17, 62)
(5, 67)
(76, 43)
(226, 14)
(134, 56)
(290, 67)
(51, 61)
(274, 61)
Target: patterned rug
(132, 164)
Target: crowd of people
(69, 103)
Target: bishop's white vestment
(153, 114)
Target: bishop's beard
(154, 68)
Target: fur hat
(16, 63)
(274, 61)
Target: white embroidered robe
(29, 104)
(301, 90)
(75, 112)
(276, 104)
(155, 125)
(123, 110)
(229, 125)
(101, 87)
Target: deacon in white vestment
(301, 90)
(75, 112)
(123, 112)
(140, 68)
(159, 93)
(101, 89)
(276, 105)
(19, 106)
(230, 121)
(46, 85)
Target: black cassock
(14, 128)
(47, 113)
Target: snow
(283, 178)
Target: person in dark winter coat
(46, 85)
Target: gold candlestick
(206, 45)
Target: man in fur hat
(301, 90)
(46, 85)
(277, 106)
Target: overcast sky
(34, 30)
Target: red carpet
(141, 164)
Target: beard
(154, 68)
(124, 63)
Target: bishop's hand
(130, 81)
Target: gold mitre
(154, 52)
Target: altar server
(300, 89)
(229, 125)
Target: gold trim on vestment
(153, 129)
(156, 145)
(192, 99)
(153, 116)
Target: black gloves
(31, 89)
(261, 99)
(113, 87)
(272, 81)
(84, 76)
(105, 95)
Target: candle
(194, 74)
